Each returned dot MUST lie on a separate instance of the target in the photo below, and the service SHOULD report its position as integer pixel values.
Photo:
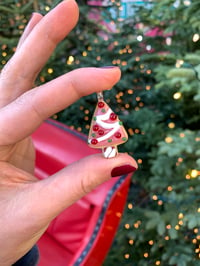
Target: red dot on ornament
(113, 116)
(101, 132)
(101, 104)
(95, 127)
(118, 135)
(94, 141)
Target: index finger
(29, 110)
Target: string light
(84, 53)
(182, 135)
(130, 91)
(157, 262)
(186, 2)
(42, 79)
(4, 54)
(131, 242)
(169, 188)
(70, 60)
(195, 37)
(180, 222)
(160, 202)
(168, 226)
(127, 226)
(148, 71)
(180, 216)
(187, 176)
(194, 241)
(86, 118)
(127, 256)
(168, 41)
(194, 173)
(137, 224)
(148, 87)
(177, 227)
(171, 125)
(151, 242)
(179, 63)
(130, 131)
(155, 197)
(130, 206)
(50, 70)
(168, 139)
(47, 8)
(177, 95)
(139, 38)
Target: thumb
(73, 182)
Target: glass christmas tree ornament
(106, 130)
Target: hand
(26, 204)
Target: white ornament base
(110, 152)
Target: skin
(27, 205)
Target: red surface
(69, 234)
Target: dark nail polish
(122, 170)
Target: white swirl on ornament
(105, 116)
(114, 126)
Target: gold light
(196, 37)
(194, 173)
(131, 242)
(179, 63)
(154, 197)
(171, 125)
(50, 70)
(70, 60)
(168, 139)
(180, 216)
(126, 256)
(169, 188)
(84, 53)
(151, 242)
(177, 95)
(130, 206)
(127, 226)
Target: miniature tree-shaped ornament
(106, 130)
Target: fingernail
(123, 170)
(32, 15)
(109, 67)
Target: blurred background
(156, 44)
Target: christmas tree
(162, 221)
(158, 99)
